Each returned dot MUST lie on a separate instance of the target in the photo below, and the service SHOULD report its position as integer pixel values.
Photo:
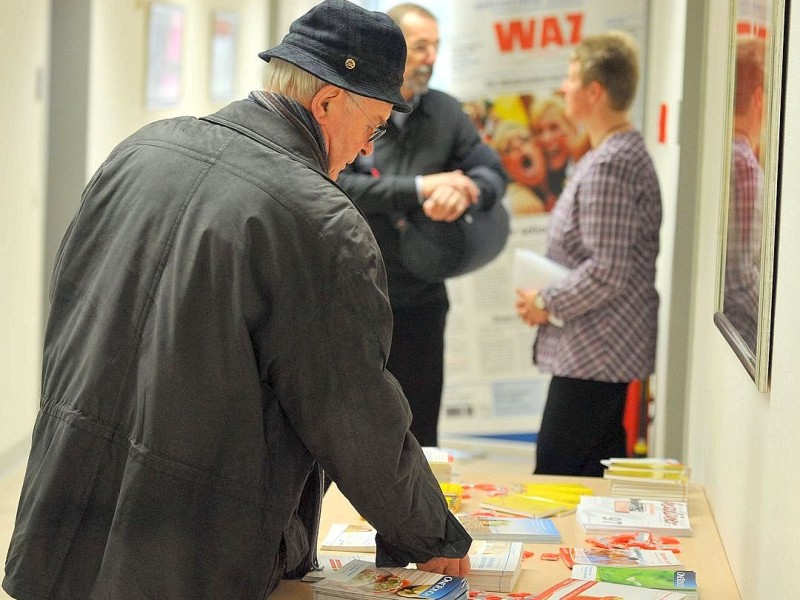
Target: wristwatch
(539, 302)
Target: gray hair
(401, 10)
(289, 80)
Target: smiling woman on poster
(605, 228)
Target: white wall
(23, 62)
(118, 67)
(111, 38)
(742, 444)
(663, 85)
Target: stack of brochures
(538, 500)
(656, 478)
(362, 580)
(453, 492)
(602, 514)
(440, 461)
(510, 529)
(495, 565)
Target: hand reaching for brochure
(446, 566)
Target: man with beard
(430, 161)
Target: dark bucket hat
(343, 44)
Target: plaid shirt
(605, 227)
(743, 249)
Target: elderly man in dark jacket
(218, 335)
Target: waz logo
(539, 33)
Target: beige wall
(23, 63)
(745, 445)
(115, 98)
(118, 68)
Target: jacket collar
(270, 129)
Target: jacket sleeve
(327, 370)
(440, 137)
(376, 193)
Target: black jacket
(219, 328)
(436, 137)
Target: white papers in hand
(535, 271)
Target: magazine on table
(619, 557)
(511, 529)
(604, 514)
(659, 579)
(350, 537)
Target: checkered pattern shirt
(743, 248)
(605, 227)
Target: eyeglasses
(379, 130)
(423, 47)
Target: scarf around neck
(299, 117)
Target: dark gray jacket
(219, 328)
(437, 136)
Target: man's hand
(445, 204)
(446, 566)
(448, 195)
(451, 179)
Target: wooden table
(702, 552)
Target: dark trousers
(581, 425)
(417, 361)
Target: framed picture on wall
(164, 55)
(748, 219)
(224, 38)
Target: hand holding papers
(535, 271)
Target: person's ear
(324, 101)
(596, 90)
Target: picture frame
(750, 200)
(164, 55)
(224, 46)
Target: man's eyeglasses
(423, 47)
(379, 130)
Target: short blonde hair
(750, 55)
(612, 60)
(289, 80)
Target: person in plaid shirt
(598, 326)
(743, 244)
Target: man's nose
(367, 148)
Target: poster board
(505, 61)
